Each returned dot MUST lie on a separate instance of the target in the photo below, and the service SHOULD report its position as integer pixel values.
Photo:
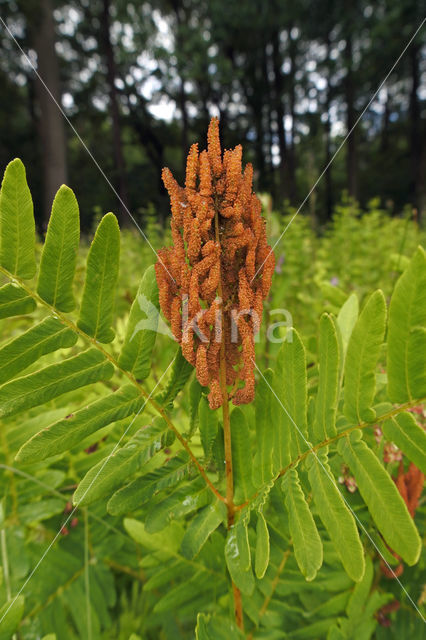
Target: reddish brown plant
(214, 279)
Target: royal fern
(71, 383)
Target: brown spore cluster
(213, 280)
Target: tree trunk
(182, 93)
(269, 137)
(351, 143)
(51, 127)
(279, 111)
(328, 174)
(417, 155)
(384, 140)
(292, 106)
(119, 164)
(185, 125)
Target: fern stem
(238, 605)
(63, 318)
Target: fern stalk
(238, 607)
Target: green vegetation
(113, 522)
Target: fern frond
(361, 360)
(404, 431)
(114, 471)
(336, 517)
(141, 329)
(380, 494)
(97, 305)
(52, 381)
(183, 500)
(59, 256)
(241, 456)
(45, 337)
(324, 425)
(291, 388)
(262, 546)
(201, 527)
(407, 333)
(267, 438)
(304, 533)
(17, 227)
(140, 491)
(66, 433)
(14, 301)
(242, 577)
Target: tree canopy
(139, 82)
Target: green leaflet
(406, 366)
(45, 337)
(179, 595)
(404, 431)
(189, 497)
(96, 312)
(336, 516)
(265, 434)
(262, 546)
(359, 595)
(346, 320)
(291, 389)
(241, 531)
(163, 577)
(208, 422)
(218, 451)
(17, 228)
(306, 541)
(141, 330)
(361, 360)
(328, 384)
(201, 527)
(14, 301)
(48, 383)
(180, 373)
(15, 611)
(40, 510)
(216, 628)
(58, 260)
(241, 457)
(382, 498)
(69, 432)
(166, 542)
(195, 393)
(243, 578)
(138, 492)
(115, 469)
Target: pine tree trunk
(279, 111)
(351, 143)
(417, 154)
(119, 164)
(328, 175)
(51, 127)
(292, 106)
(182, 101)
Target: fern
(68, 381)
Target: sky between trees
(139, 81)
